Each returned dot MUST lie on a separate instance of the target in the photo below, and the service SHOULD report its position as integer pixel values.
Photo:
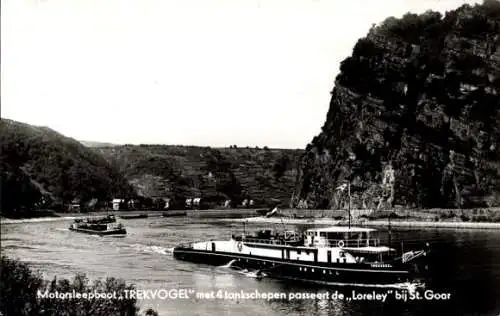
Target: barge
(101, 226)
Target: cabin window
(316, 233)
(298, 252)
(324, 271)
(322, 234)
(354, 235)
(335, 236)
(312, 270)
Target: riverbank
(368, 223)
(151, 213)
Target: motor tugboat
(338, 254)
(98, 226)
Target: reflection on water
(464, 263)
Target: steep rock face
(414, 118)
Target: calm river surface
(464, 263)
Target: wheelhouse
(340, 236)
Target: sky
(191, 72)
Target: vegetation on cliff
(414, 116)
(213, 174)
(20, 287)
(41, 167)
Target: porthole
(324, 271)
(312, 270)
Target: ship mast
(342, 188)
(349, 203)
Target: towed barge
(346, 255)
(102, 226)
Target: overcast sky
(193, 72)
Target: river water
(463, 263)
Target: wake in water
(36, 220)
(152, 249)
(229, 264)
(257, 274)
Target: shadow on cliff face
(419, 96)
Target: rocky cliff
(414, 118)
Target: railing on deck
(353, 243)
(266, 241)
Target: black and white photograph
(250, 157)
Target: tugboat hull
(299, 270)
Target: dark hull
(262, 211)
(300, 270)
(122, 231)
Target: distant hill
(215, 174)
(88, 143)
(39, 162)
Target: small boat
(134, 216)
(338, 254)
(101, 226)
(262, 211)
(174, 214)
(273, 212)
(267, 212)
